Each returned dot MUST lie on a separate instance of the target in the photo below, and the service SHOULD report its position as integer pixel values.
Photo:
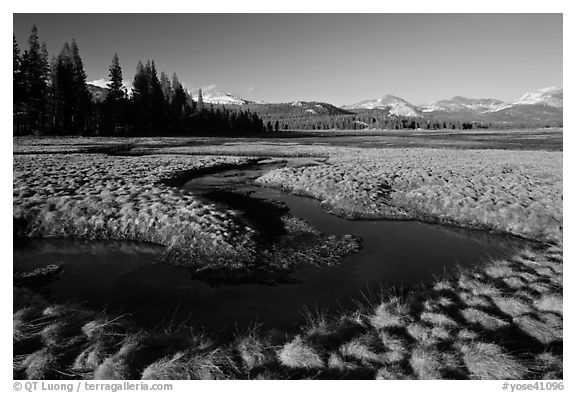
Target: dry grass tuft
(514, 282)
(437, 319)
(90, 358)
(391, 373)
(471, 300)
(185, 366)
(550, 365)
(545, 332)
(253, 353)
(394, 313)
(396, 348)
(298, 354)
(336, 362)
(359, 350)
(422, 334)
(477, 286)
(40, 365)
(22, 327)
(467, 335)
(426, 363)
(488, 361)
(550, 303)
(118, 365)
(511, 305)
(499, 270)
(475, 316)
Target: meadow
(93, 196)
(502, 320)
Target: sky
(335, 58)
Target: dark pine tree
(166, 87)
(159, 105)
(63, 92)
(81, 94)
(141, 100)
(35, 76)
(115, 103)
(178, 106)
(19, 92)
(116, 89)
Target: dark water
(123, 277)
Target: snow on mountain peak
(551, 96)
(459, 103)
(217, 98)
(396, 106)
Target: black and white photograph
(286, 196)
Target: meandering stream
(123, 277)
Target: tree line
(379, 121)
(51, 97)
(383, 121)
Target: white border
(229, 6)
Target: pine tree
(64, 94)
(81, 103)
(114, 105)
(178, 105)
(167, 88)
(18, 83)
(18, 92)
(34, 67)
(141, 99)
(140, 83)
(156, 87)
(159, 105)
(80, 75)
(115, 85)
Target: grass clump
(298, 354)
(489, 361)
(253, 352)
(41, 364)
(486, 321)
(550, 303)
(545, 332)
(511, 306)
(438, 319)
(337, 362)
(426, 362)
(211, 365)
(396, 349)
(550, 365)
(393, 313)
(361, 351)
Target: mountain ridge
(542, 106)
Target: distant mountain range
(541, 105)
(544, 106)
